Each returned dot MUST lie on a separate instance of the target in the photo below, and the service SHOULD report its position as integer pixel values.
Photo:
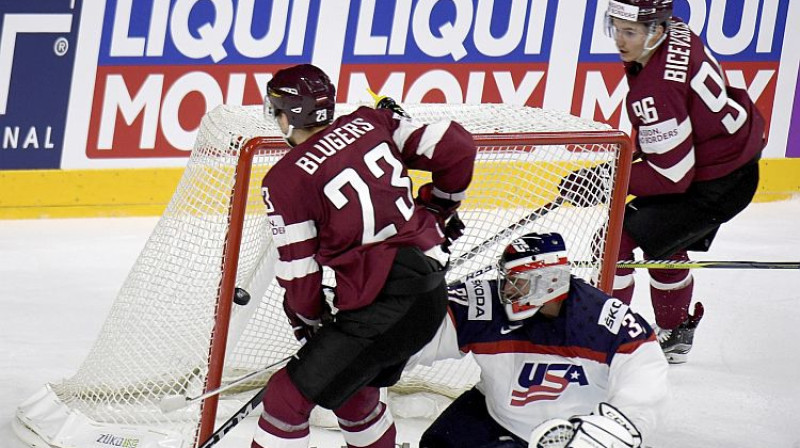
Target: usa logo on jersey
(545, 381)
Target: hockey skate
(677, 343)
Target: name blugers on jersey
(332, 142)
(343, 199)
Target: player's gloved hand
(385, 102)
(453, 230)
(586, 187)
(442, 208)
(606, 427)
(445, 211)
(303, 327)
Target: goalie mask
(304, 93)
(533, 270)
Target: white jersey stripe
(431, 137)
(267, 440)
(403, 132)
(672, 286)
(290, 270)
(296, 233)
(370, 434)
(676, 172)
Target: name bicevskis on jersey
(678, 51)
(333, 142)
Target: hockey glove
(586, 187)
(445, 211)
(607, 427)
(385, 102)
(303, 327)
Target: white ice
(741, 387)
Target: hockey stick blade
(240, 415)
(534, 215)
(172, 403)
(690, 264)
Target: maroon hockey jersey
(690, 125)
(343, 199)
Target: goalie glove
(607, 427)
(586, 187)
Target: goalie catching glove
(587, 187)
(445, 211)
(606, 427)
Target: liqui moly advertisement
(143, 72)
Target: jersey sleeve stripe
(663, 137)
(457, 196)
(295, 233)
(403, 132)
(520, 346)
(676, 172)
(431, 137)
(631, 347)
(290, 270)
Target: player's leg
(375, 341)
(467, 423)
(284, 420)
(624, 277)
(365, 421)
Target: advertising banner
(37, 55)
(145, 71)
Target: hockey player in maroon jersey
(342, 198)
(699, 141)
(549, 346)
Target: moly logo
(543, 381)
(37, 47)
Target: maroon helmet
(304, 93)
(643, 11)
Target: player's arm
(638, 383)
(445, 344)
(444, 148)
(295, 235)
(665, 141)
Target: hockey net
(169, 333)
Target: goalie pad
(607, 427)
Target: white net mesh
(155, 341)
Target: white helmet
(533, 270)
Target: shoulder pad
(612, 314)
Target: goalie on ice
(567, 350)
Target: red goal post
(214, 237)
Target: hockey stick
(689, 264)
(174, 402)
(240, 415)
(534, 215)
